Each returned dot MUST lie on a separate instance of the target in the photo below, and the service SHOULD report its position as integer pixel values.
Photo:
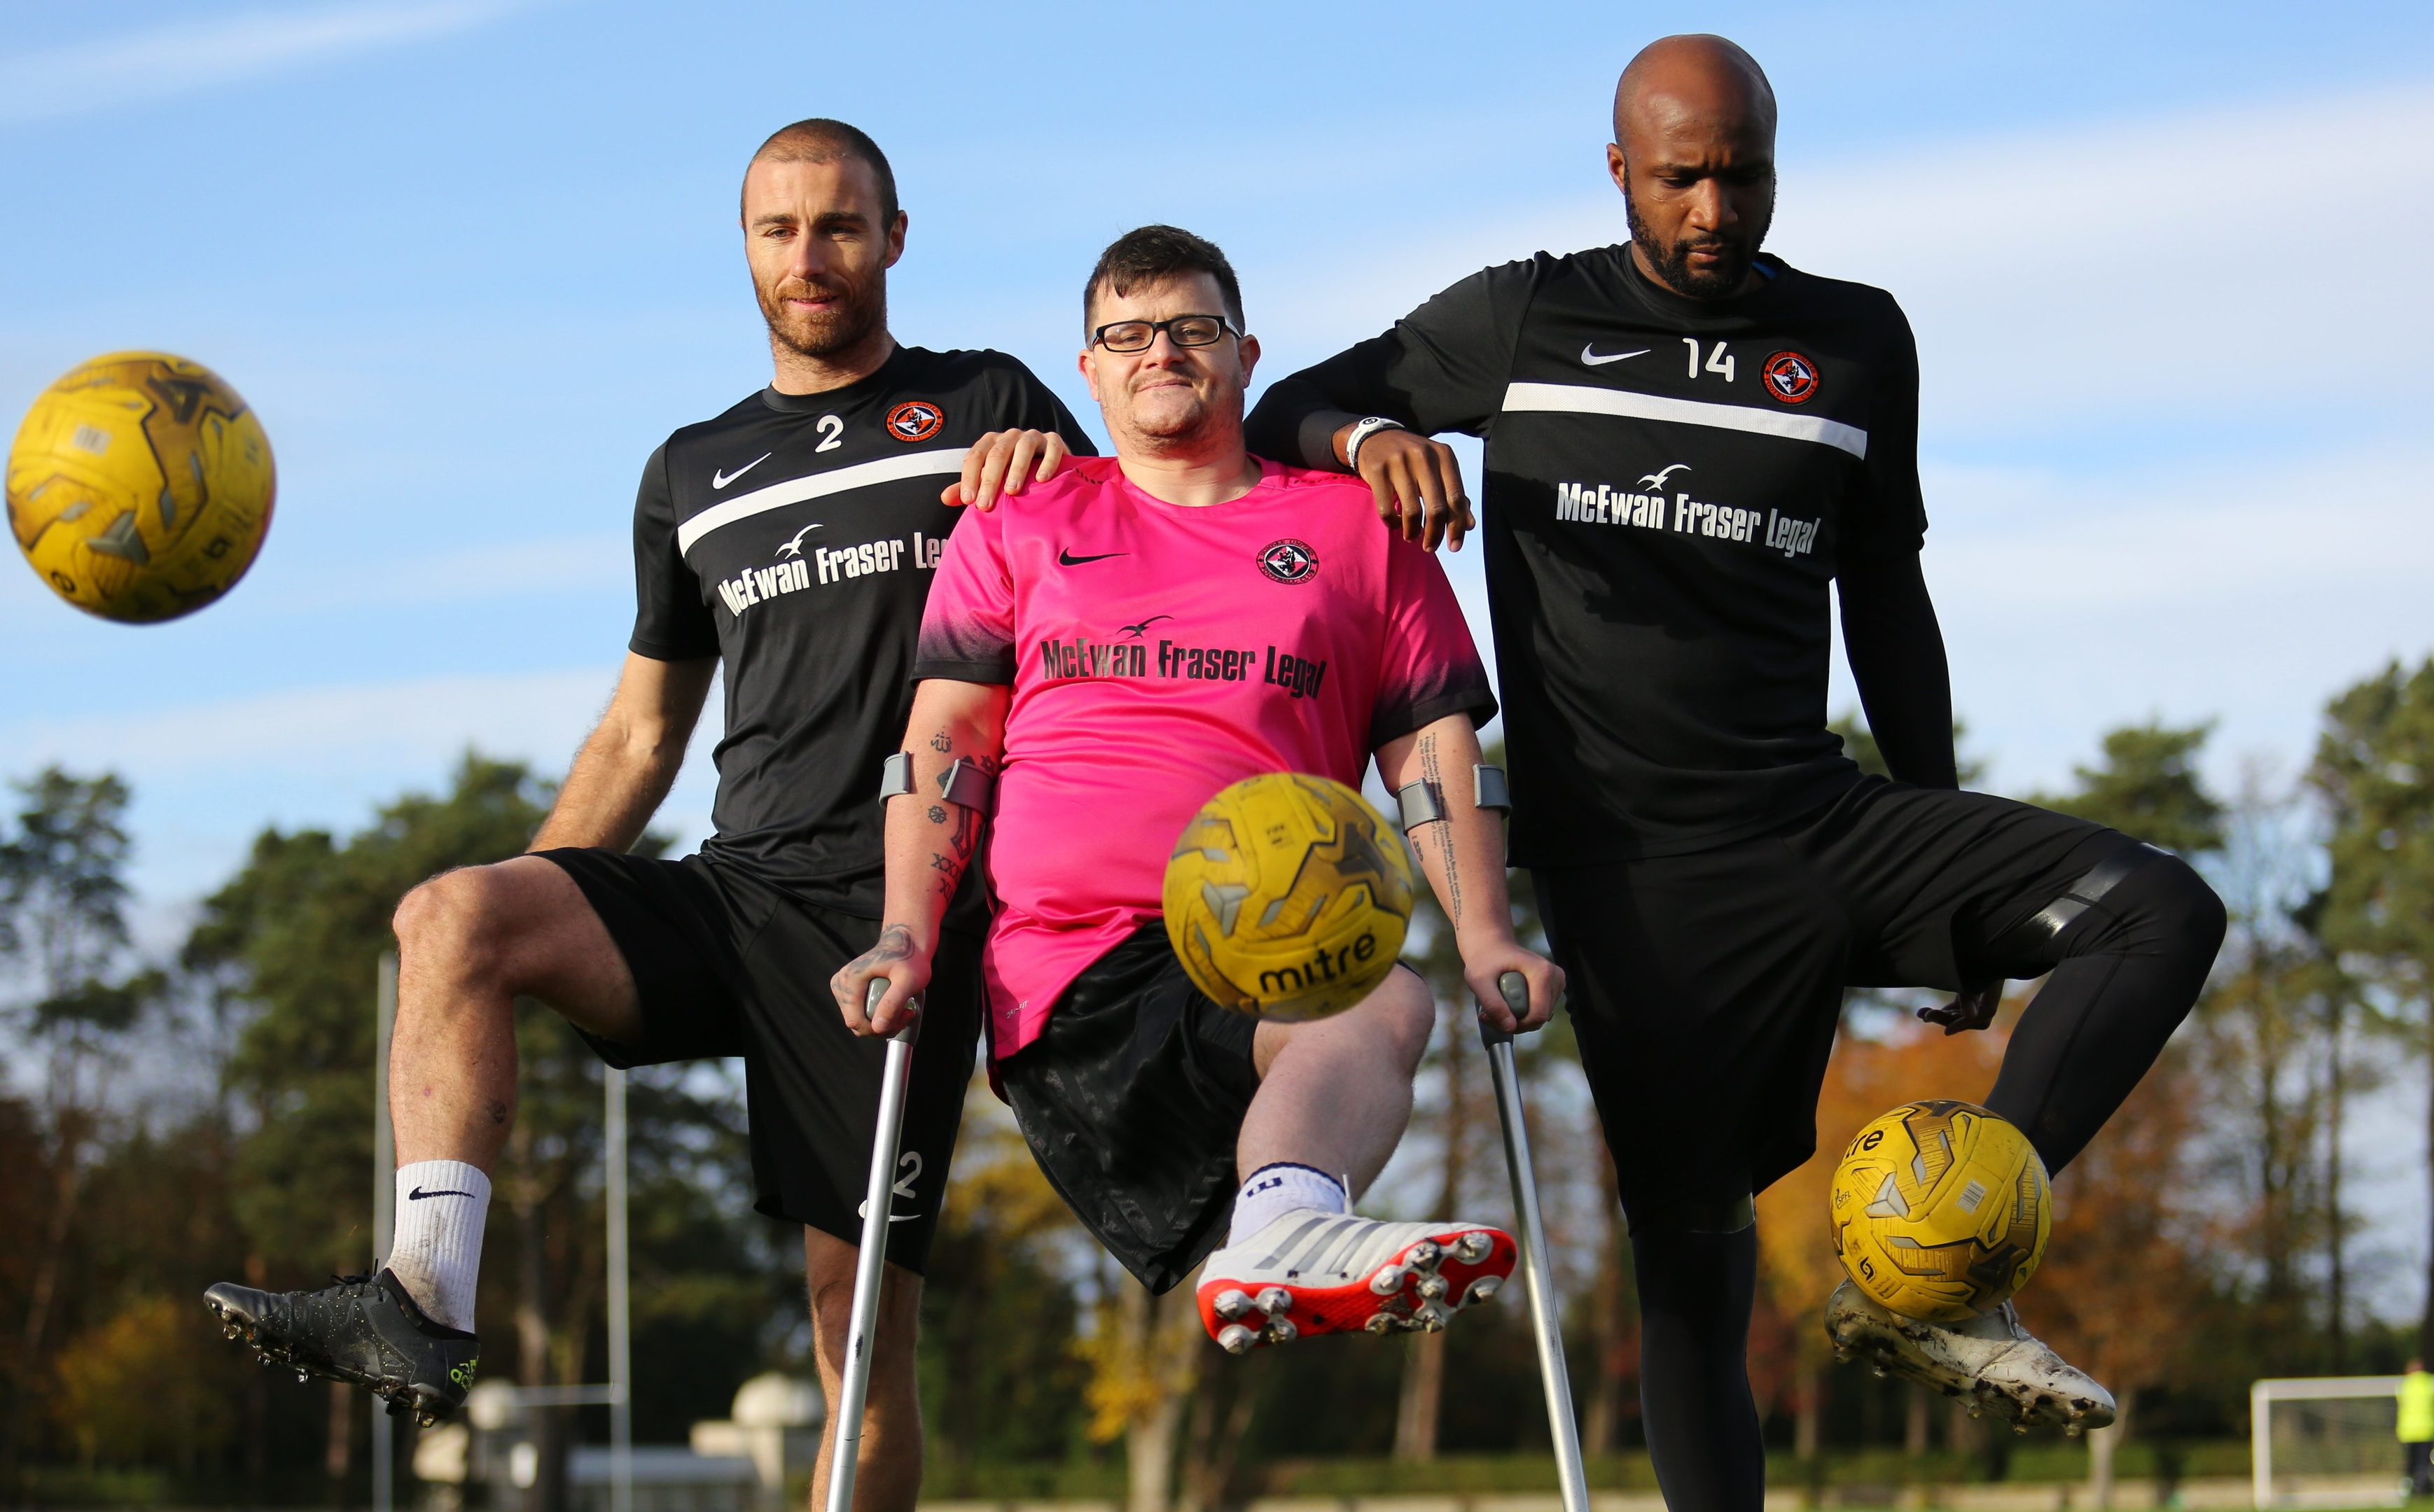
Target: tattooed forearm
(1432, 773)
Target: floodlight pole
(621, 1339)
(384, 1209)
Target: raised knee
(1412, 1020)
(454, 918)
(2184, 905)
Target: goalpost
(2325, 1441)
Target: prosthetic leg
(1545, 1316)
(855, 1387)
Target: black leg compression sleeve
(2125, 974)
(1695, 1291)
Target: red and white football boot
(1311, 1272)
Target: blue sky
(471, 259)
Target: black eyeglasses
(1184, 330)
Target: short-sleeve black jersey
(795, 538)
(1671, 484)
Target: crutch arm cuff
(967, 786)
(1421, 803)
(1487, 785)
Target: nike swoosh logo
(1590, 358)
(1066, 559)
(720, 479)
(864, 1212)
(418, 1194)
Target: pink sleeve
(1428, 667)
(967, 626)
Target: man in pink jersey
(1114, 646)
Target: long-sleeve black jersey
(1671, 484)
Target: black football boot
(364, 1330)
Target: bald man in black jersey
(1688, 440)
(786, 546)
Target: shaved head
(821, 140)
(1695, 72)
(1693, 153)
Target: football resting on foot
(363, 1330)
(1312, 1273)
(1990, 1361)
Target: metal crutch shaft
(1545, 1316)
(846, 1459)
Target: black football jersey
(794, 537)
(1671, 484)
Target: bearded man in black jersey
(1687, 441)
(791, 541)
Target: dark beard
(1672, 263)
(828, 336)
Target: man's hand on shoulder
(1417, 484)
(1005, 462)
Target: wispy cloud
(138, 67)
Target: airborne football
(140, 486)
(1287, 897)
(1940, 1210)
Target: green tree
(2148, 785)
(2375, 770)
(63, 921)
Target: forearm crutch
(846, 1457)
(1545, 1316)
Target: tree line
(177, 1118)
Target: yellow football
(1940, 1210)
(140, 486)
(1287, 897)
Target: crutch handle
(911, 1032)
(1516, 991)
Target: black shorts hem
(1132, 1101)
(725, 963)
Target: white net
(2326, 1442)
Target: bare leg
(1336, 1094)
(468, 942)
(889, 1478)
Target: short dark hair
(1153, 254)
(821, 140)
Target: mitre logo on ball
(1287, 897)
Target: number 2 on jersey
(1716, 361)
(832, 429)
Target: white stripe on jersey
(937, 461)
(1580, 399)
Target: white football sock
(1276, 1190)
(436, 1249)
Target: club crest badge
(1289, 561)
(1789, 377)
(915, 419)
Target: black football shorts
(1132, 1101)
(1706, 989)
(726, 964)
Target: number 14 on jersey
(1716, 361)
